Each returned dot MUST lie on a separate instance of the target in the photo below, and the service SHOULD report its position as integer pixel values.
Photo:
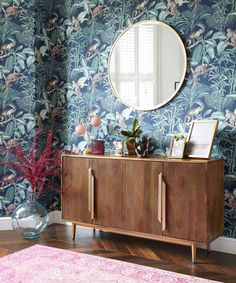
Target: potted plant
(131, 135)
(38, 167)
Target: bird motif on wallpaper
(52, 85)
(96, 12)
(230, 199)
(6, 115)
(7, 180)
(199, 71)
(12, 143)
(6, 48)
(56, 112)
(52, 22)
(37, 55)
(39, 121)
(172, 7)
(230, 118)
(55, 51)
(40, 52)
(9, 12)
(75, 24)
(192, 114)
(10, 79)
(194, 37)
(138, 9)
(76, 87)
(96, 79)
(231, 37)
(91, 51)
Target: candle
(98, 146)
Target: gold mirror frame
(184, 64)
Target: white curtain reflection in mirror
(134, 67)
(146, 64)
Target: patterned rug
(39, 264)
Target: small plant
(135, 132)
(131, 135)
(35, 166)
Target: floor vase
(30, 218)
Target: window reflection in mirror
(147, 65)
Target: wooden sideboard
(173, 200)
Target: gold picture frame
(177, 146)
(200, 138)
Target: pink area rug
(39, 264)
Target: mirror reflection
(147, 65)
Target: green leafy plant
(135, 132)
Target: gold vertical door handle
(163, 206)
(92, 197)
(159, 197)
(89, 189)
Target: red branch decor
(36, 167)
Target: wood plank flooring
(215, 265)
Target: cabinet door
(186, 200)
(142, 196)
(109, 192)
(75, 181)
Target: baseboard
(5, 223)
(54, 217)
(222, 244)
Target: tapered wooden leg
(193, 248)
(73, 231)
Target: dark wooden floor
(216, 266)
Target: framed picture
(177, 146)
(200, 138)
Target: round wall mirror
(147, 65)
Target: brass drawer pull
(92, 197)
(91, 193)
(159, 197)
(163, 206)
(161, 214)
(89, 189)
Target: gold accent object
(89, 189)
(92, 197)
(159, 197)
(163, 206)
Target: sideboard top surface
(151, 158)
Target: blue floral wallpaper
(53, 75)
